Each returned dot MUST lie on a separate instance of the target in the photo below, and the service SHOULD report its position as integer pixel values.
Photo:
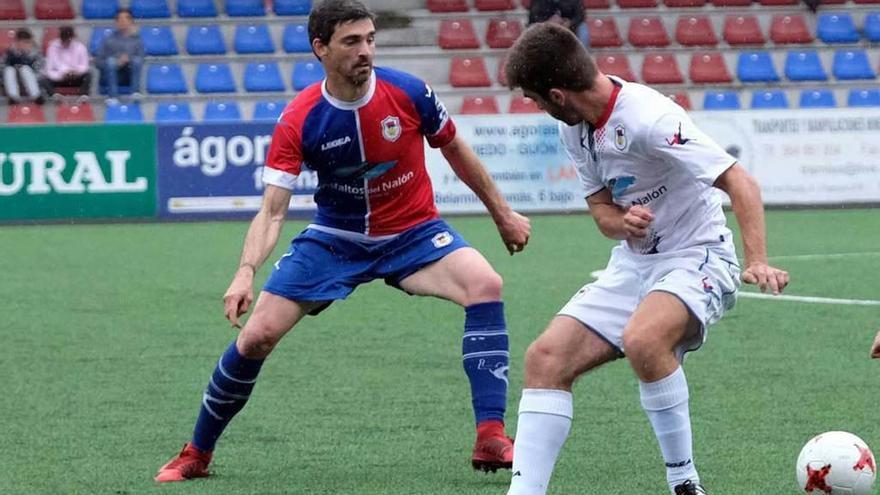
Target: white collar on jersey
(350, 105)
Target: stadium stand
(721, 100)
(863, 98)
(268, 111)
(26, 113)
(124, 113)
(174, 112)
(196, 8)
(661, 68)
(295, 39)
(214, 78)
(478, 105)
(521, 104)
(263, 77)
(695, 30)
(99, 9)
(150, 9)
(615, 64)
(774, 98)
(53, 9)
(817, 98)
(222, 111)
(708, 68)
(74, 113)
(159, 41)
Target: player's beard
(361, 72)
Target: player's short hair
(324, 18)
(550, 56)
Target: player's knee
(257, 342)
(545, 362)
(485, 288)
(638, 343)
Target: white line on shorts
(825, 256)
(809, 299)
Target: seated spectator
(20, 68)
(568, 13)
(120, 56)
(67, 63)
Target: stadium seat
(837, 28)
(774, 98)
(214, 78)
(53, 9)
(253, 38)
(205, 40)
(98, 35)
(590, 4)
(709, 67)
(159, 41)
(292, 7)
(522, 104)
(743, 30)
(484, 5)
(863, 98)
(263, 76)
(7, 36)
(173, 113)
(852, 64)
(12, 10)
(268, 111)
(150, 9)
(804, 66)
(457, 34)
(124, 113)
(49, 33)
(682, 99)
(295, 39)
(468, 72)
(661, 68)
(307, 73)
(647, 31)
(479, 105)
(732, 3)
(721, 100)
(165, 79)
(684, 3)
(440, 6)
(222, 111)
(865, 1)
(99, 9)
(771, 3)
(603, 32)
(26, 113)
(502, 33)
(78, 113)
(872, 27)
(245, 8)
(196, 8)
(756, 66)
(637, 4)
(817, 98)
(790, 29)
(615, 64)
(695, 30)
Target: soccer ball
(836, 462)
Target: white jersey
(647, 151)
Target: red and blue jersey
(368, 154)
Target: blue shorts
(322, 267)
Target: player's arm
(615, 222)
(745, 199)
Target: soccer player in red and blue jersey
(361, 130)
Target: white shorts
(704, 278)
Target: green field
(112, 331)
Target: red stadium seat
(647, 31)
(615, 64)
(457, 34)
(71, 114)
(743, 30)
(597, 4)
(53, 9)
(684, 3)
(484, 5)
(866, 1)
(603, 32)
(731, 3)
(479, 105)
(26, 113)
(468, 73)
(447, 6)
(779, 2)
(49, 33)
(12, 10)
(661, 68)
(709, 67)
(636, 4)
(695, 30)
(830, 2)
(786, 29)
(682, 99)
(522, 104)
(502, 33)
(7, 37)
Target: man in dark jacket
(121, 56)
(567, 13)
(20, 68)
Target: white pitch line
(825, 256)
(809, 299)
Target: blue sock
(485, 356)
(227, 393)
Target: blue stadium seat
(98, 35)
(756, 66)
(165, 79)
(99, 9)
(205, 40)
(244, 8)
(150, 9)
(804, 65)
(263, 76)
(175, 112)
(196, 8)
(863, 98)
(222, 111)
(159, 41)
(721, 100)
(214, 78)
(292, 7)
(254, 38)
(268, 111)
(872, 26)
(852, 64)
(124, 113)
(774, 98)
(817, 98)
(307, 73)
(296, 39)
(837, 28)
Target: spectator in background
(20, 68)
(67, 63)
(567, 13)
(121, 56)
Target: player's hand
(875, 349)
(515, 230)
(636, 221)
(765, 277)
(239, 296)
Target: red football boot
(493, 449)
(190, 463)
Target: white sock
(544, 423)
(666, 403)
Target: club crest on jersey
(391, 130)
(442, 239)
(620, 137)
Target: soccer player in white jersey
(650, 178)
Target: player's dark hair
(123, 11)
(324, 18)
(550, 56)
